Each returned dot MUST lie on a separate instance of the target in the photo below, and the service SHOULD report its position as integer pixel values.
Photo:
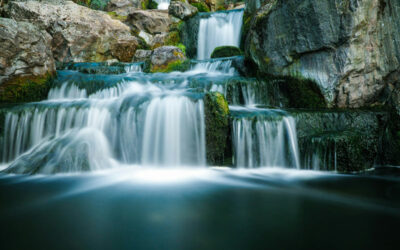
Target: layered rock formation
(350, 48)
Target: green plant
(201, 7)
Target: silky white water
(162, 4)
(218, 29)
(265, 140)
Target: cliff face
(350, 48)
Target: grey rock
(150, 21)
(181, 10)
(78, 33)
(164, 55)
(349, 48)
(24, 50)
(142, 55)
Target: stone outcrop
(166, 58)
(142, 55)
(26, 61)
(78, 33)
(123, 7)
(181, 10)
(350, 48)
(149, 21)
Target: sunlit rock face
(24, 50)
(78, 33)
(350, 48)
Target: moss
(302, 93)
(201, 7)
(217, 129)
(149, 5)
(114, 15)
(25, 89)
(226, 51)
(173, 38)
(178, 65)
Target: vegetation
(149, 5)
(201, 7)
(25, 89)
(226, 51)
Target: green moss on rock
(217, 129)
(301, 93)
(25, 89)
(201, 7)
(226, 51)
(114, 15)
(178, 65)
(149, 5)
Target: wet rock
(166, 59)
(150, 21)
(26, 61)
(226, 51)
(218, 147)
(345, 140)
(142, 55)
(349, 48)
(181, 10)
(78, 34)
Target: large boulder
(149, 21)
(123, 7)
(181, 10)
(78, 33)
(350, 48)
(26, 61)
(166, 58)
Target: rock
(79, 34)
(218, 145)
(142, 55)
(226, 51)
(166, 59)
(349, 48)
(354, 136)
(181, 10)
(150, 21)
(26, 61)
(123, 7)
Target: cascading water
(263, 137)
(218, 29)
(162, 4)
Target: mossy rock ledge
(217, 129)
(226, 51)
(167, 59)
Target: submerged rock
(76, 151)
(348, 47)
(166, 59)
(216, 109)
(226, 51)
(78, 34)
(181, 10)
(26, 61)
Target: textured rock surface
(24, 50)
(123, 7)
(350, 48)
(150, 21)
(78, 33)
(142, 55)
(217, 129)
(181, 10)
(352, 137)
(26, 61)
(165, 57)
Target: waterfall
(214, 66)
(218, 29)
(131, 122)
(162, 4)
(266, 139)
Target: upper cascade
(162, 4)
(218, 29)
